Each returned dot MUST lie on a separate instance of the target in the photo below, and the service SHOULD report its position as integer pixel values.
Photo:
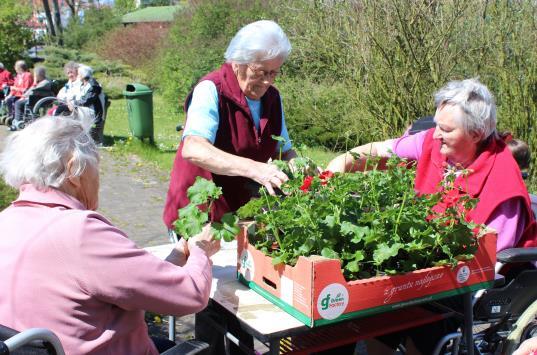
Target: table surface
(257, 313)
(269, 323)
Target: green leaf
(191, 221)
(329, 253)
(202, 191)
(278, 139)
(384, 252)
(227, 229)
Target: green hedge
(364, 70)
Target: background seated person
(70, 90)
(90, 94)
(93, 282)
(465, 137)
(23, 82)
(42, 87)
(6, 80)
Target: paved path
(132, 196)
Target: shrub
(135, 45)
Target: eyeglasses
(260, 73)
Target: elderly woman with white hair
(465, 137)
(232, 114)
(93, 283)
(90, 94)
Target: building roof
(151, 14)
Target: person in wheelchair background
(41, 88)
(465, 137)
(65, 267)
(23, 82)
(6, 80)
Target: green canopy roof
(151, 14)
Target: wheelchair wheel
(524, 328)
(42, 106)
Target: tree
(50, 23)
(58, 22)
(124, 6)
(15, 36)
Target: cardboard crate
(315, 292)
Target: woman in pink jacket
(67, 268)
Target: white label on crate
(496, 309)
(332, 301)
(286, 291)
(463, 274)
(247, 268)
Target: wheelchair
(37, 106)
(42, 341)
(35, 341)
(506, 314)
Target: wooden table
(284, 334)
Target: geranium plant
(374, 222)
(194, 216)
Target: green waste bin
(140, 110)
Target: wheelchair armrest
(517, 255)
(189, 347)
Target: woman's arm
(199, 151)
(347, 163)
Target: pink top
(507, 219)
(70, 270)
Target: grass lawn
(7, 195)
(162, 153)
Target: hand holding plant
(195, 215)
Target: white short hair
(84, 71)
(475, 100)
(258, 41)
(39, 154)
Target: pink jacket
(70, 270)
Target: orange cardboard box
(315, 292)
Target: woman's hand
(268, 175)
(204, 241)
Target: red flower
(325, 175)
(306, 184)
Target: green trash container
(140, 110)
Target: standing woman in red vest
(232, 114)
(465, 137)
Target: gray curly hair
(475, 100)
(258, 41)
(39, 154)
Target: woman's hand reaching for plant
(205, 241)
(268, 175)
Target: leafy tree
(122, 7)
(95, 23)
(15, 37)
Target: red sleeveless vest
(236, 135)
(495, 179)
